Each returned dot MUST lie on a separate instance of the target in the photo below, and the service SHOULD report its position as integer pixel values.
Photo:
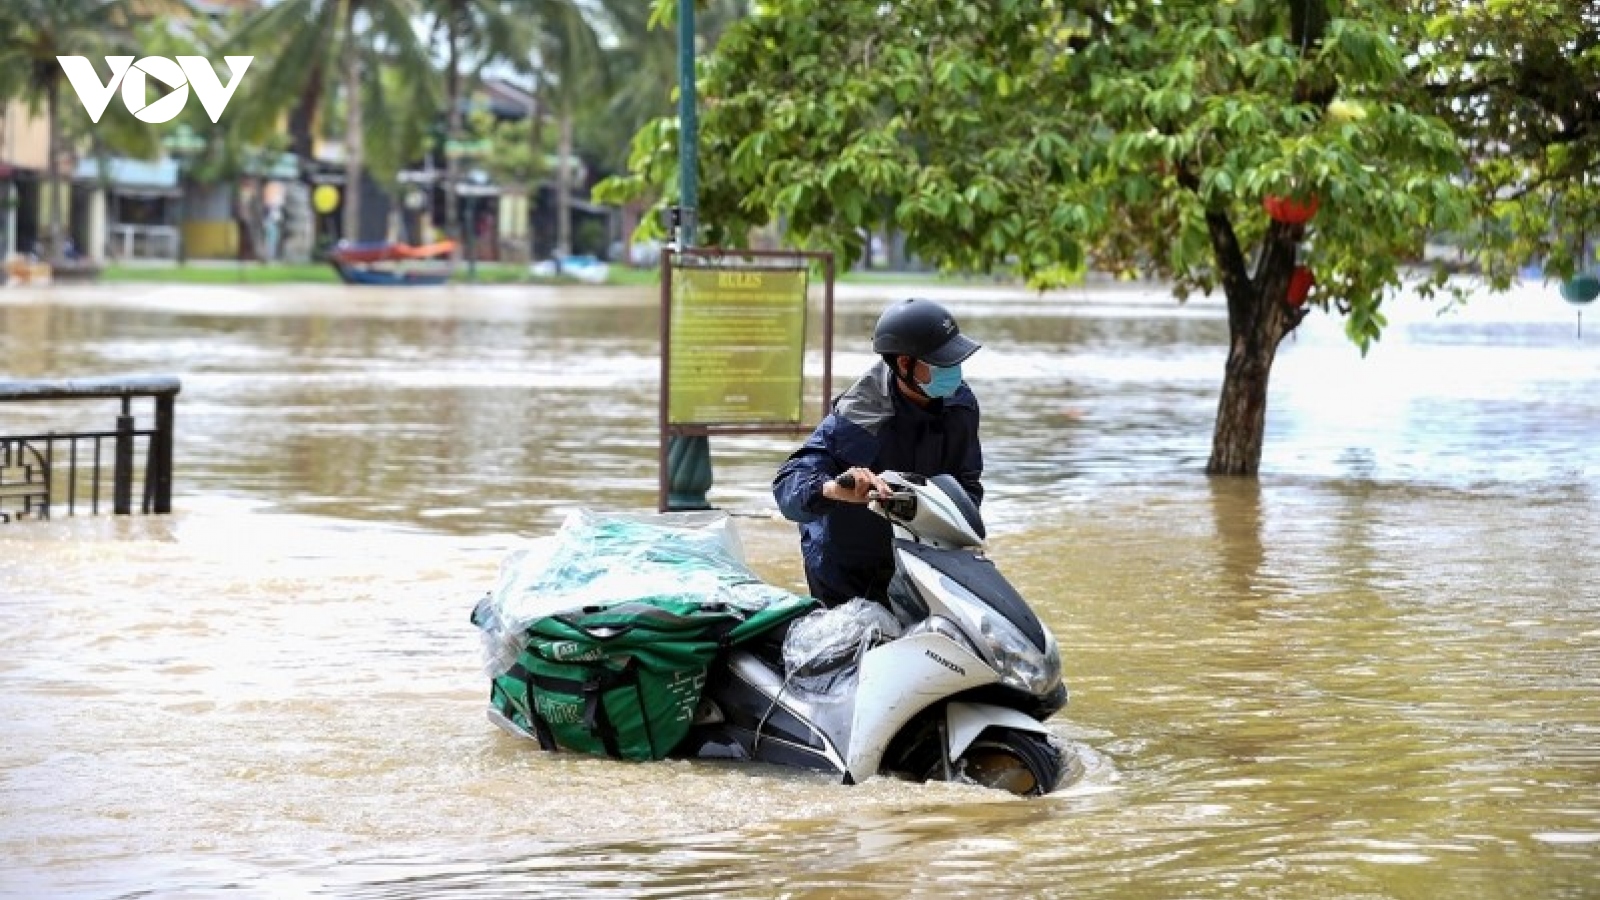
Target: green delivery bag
(600, 641)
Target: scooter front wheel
(1021, 762)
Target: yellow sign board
(737, 346)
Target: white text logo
(178, 77)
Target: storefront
(24, 154)
(127, 209)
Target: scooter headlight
(1019, 663)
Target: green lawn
(211, 272)
(214, 272)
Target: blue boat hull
(388, 278)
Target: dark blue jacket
(847, 547)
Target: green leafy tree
(399, 118)
(553, 43)
(511, 158)
(641, 57)
(231, 149)
(474, 34)
(1046, 135)
(569, 72)
(1519, 82)
(301, 46)
(32, 34)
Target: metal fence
(66, 471)
(134, 242)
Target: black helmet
(922, 329)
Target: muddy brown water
(1372, 672)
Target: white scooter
(959, 695)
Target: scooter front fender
(965, 721)
(900, 679)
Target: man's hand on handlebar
(856, 485)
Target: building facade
(24, 161)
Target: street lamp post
(183, 144)
(688, 126)
(688, 455)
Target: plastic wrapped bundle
(600, 560)
(827, 638)
(598, 638)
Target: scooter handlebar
(848, 482)
(897, 504)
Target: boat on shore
(587, 269)
(392, 263)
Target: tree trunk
(1259, 315)
(53, 242)
(891, 259)
(536, 158)
(452, 167)
(1258, 319)
(564, 188)
(536, 124)
(183, 209)
(1242, 409)
(303, 144)
(303, 118)
(353, 148)
(247, 219)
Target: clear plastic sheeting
(598, 560)
(827, 638)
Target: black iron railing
(65, 471)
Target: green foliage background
(1046, 135)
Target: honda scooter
(960, 694)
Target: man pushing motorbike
(910, 412)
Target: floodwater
(1373, 672)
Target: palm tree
(551, 42)
(478, 33)
(34, 33)
(642, 59)
(303, 42)
(567, 66)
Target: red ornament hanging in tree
(1300, 283)
(1290, 210)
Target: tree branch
(1224, 243)
(1467, 88)
(1236, 284)
(1308, 22)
